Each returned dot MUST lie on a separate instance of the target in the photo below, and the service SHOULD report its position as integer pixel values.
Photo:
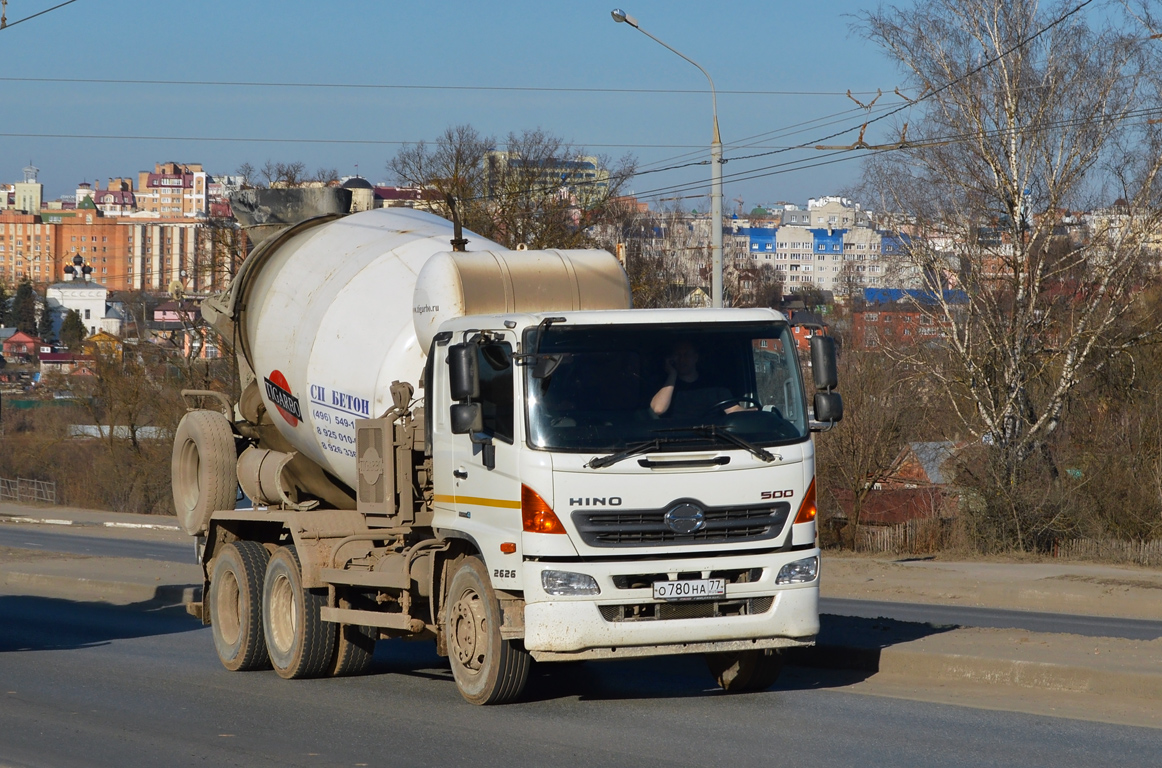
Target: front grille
(635, 528)
(696, 610)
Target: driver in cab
(685, 393)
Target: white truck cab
(627, 531)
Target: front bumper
(578, 627)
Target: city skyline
(569, 70)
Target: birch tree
(1026, 114)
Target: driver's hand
(671, 366)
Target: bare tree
(882, 412)
(534, 189)
(1026, 111)
(293, 174)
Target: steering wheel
(720, 405)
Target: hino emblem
(685, 518)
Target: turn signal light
(807, 510)
(538, 517)
(508, 547)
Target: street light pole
(621, 16)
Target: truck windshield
(609, 387)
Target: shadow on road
(29, 623)
(848, 652)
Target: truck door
(486, 485)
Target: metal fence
(24, 489)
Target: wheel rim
(283, 613)
(190, 463)
(470, 631)
(229, 608)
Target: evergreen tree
(73, 330)
(4, 298)
(24, 308)
(44, 327)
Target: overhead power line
(931, 93)
(409, 86)
(9, 24)
(263, 140)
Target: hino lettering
(283, 399)
(596, 501)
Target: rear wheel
(741, 671)
(300, 643)
(235, 603)
(488, 669)
(354, 650)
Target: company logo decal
(278, 392)
(685, 518)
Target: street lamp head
(621, 16)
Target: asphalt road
(86, 684)
(62, 540)
(24, 536)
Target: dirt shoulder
(1050, 586)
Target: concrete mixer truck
(446, 440)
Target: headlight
(569, 583)
(799, 572)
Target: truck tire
(203, 468)
(487, 668)
(235, 604)
(299, 642)
(742, 671)
(354, 650)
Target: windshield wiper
(715, 431)
(597, 462)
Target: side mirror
(823, 366)
(828, 407)
(466, 418)
(463, 373)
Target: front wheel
(742, 671)
(488, 669)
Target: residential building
(28, 194)
(174, 191)
(27, 248)
(117, 199)
(406, 197)
(21, 345)
(582, 177)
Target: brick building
(126, 253)
(174, 191)
(27, 248)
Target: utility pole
(716, 161)
(3, 14)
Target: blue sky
(755, 46)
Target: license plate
(690, 589)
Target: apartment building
(174, 191)
(27, 248)
(125, 253)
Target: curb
(5, 518)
